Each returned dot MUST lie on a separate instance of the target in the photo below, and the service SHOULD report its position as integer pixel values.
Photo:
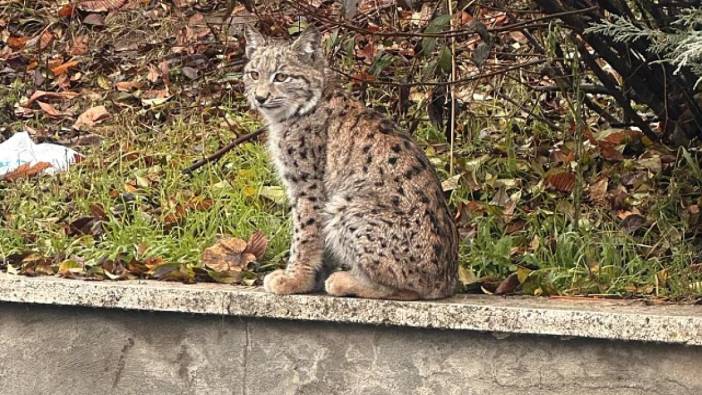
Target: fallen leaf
(63, 68)
(518, 37)
(257, 244)
(618, 136)
(276, 194)
(26, 170)
(94, 20)
(633, 222)
(466, 275)
(115, 269)
(91, 117)
(652, 164)
(35, 264)
(173, 272)
(79, 46)
(67, 11)
(101, 5)
(70, 268)
(228, 254)
(46, 39)
(563, 181)
(190, 72)
(154, 74)
(88, 225)
(451, 183)
(508, 285)
(598, 191)
(17, 42)
(625, 213)
(66, 95)
(49, 109)
(227, 259)
(127, 86)
(466, 18)
(155, 97)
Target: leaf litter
(96, 69)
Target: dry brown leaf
(257, 244)
(154, 73)
(91, 117)
(17, 42)
(49, 109)
(94, 20)
(621, 137)
(563, 181)
(598, 191)
(610, 152)
(79, 46)
(508, 285)
(67, 11)
(87, 225)
(46, 39)
(228, 255)
(633, 222)
(466, 18)
(624, 214)
(101, 5)
(26, 170)
(184, 3)
(63, 68)
(66, 95)
(127, 86)
(229, 258)
(518, 37)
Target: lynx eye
(280, 77)
(253, 75)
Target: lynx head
(284, 79)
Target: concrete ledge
(617, 320)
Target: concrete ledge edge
(602, 319)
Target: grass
(153, 211)
(127, 209)
(150, 208)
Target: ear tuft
(309, 43)
(254, 40)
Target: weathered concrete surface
(620, 320)
(74, 350)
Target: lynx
(363, 194)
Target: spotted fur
(363, 194)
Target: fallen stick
(220, 152)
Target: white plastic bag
(20, 149)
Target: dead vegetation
(558, 188)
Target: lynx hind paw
(339, 284)
(280, 282)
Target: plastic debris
(20, 151)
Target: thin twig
(586, 88)
(220, 152)
(530, 113)
(443, 34)
(442, 83)
(452, 89)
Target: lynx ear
(309, 43)
(254, 40)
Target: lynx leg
(350, 284)
(286, 282)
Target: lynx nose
(261, 99)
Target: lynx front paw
(282, 283)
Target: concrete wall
(72, 350)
